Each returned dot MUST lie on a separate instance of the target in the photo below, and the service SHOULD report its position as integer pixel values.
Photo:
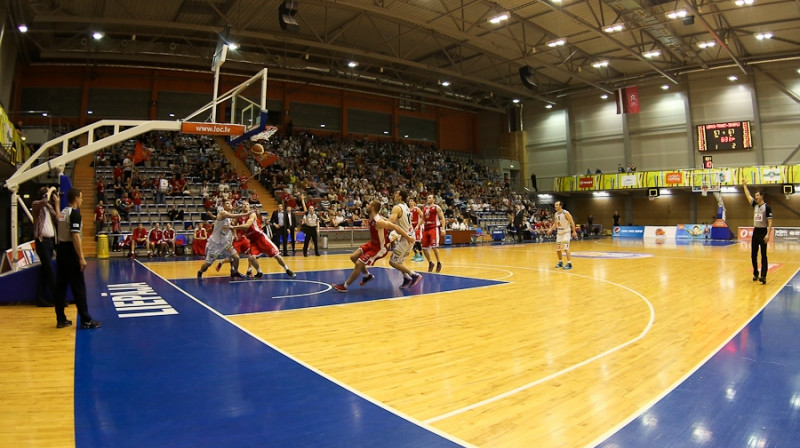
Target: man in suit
(290, 227)
(280, 222)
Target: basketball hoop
(704, 189)
(268, 132)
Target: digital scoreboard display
(724, 136)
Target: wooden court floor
(546, 358)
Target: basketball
(257, 149)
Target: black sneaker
(199, 275)
(64, 324)
(755, 276)
(366, 279)
(763, 280)
(88, 325)
(290, 273)
(430, 266)
(258, 275)
(237, 276)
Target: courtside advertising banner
(693, 231)
(628, 232)
(745, 233)
(786, 234)
(663, 232)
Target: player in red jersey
(169, 239)
(259, 243)
(139, 240)
(434, 230)
(156, 238)
(375, 249)
(200, 240)
(416, 223)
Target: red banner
(627, 100)
(586, 182)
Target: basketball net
(268, 132)
(704, 190)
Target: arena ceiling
(412, 49)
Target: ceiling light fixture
(232, 46)
(733, 78)
(445, 83)
(23, 28)
(708, 44)
(515, 101)
(557, 43)
(499, 18)
(604, 96)
(614, 28)
(762, 36)
(97, 35)
(652, 54)
(600, 64)
(352, 64)
(743, 2)
(679, 14)
(549, 106)
(665, 87)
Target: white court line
(563, 371)
(345, 386)
(329, 287)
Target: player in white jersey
(220, 243)
(564, 227)
(401, 215)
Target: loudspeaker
(653, 192)
(286, 16)
(788, 189)
(527, 77)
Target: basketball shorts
(430, 238)
(401, 250)
(218, 251)
(372, 252)
(242, 246)
(259, 244)
(562, 240)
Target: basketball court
(500, 349)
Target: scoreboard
(733, 135)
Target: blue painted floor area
(193, 379)
(276, 292)
(746, 395)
